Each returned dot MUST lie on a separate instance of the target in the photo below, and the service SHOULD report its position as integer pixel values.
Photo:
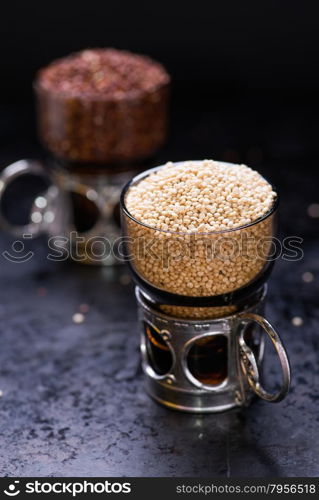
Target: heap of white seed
(204, 196)
(184, 207)
(198, 312)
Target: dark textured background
(246, 77)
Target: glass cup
(202, 282)
(102, 130)
(218, 268)
(95, 144)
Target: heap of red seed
(103, 106)
(103, 72)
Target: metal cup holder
(207, 365)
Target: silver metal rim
(192, 409)
(140, 297)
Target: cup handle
(249, 364)
(9, 174)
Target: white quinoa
(197, 312)
(204, 196)
(185, 206)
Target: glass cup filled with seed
(199, 239)
(102, 115)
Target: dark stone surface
(73, 402)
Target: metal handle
(8, 175)
(249, 364)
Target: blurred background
(245, 75)
(245, 89)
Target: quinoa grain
(186, 234)
(103, 106)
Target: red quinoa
(103, 105)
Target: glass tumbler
(95, 142)
(200, 299)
